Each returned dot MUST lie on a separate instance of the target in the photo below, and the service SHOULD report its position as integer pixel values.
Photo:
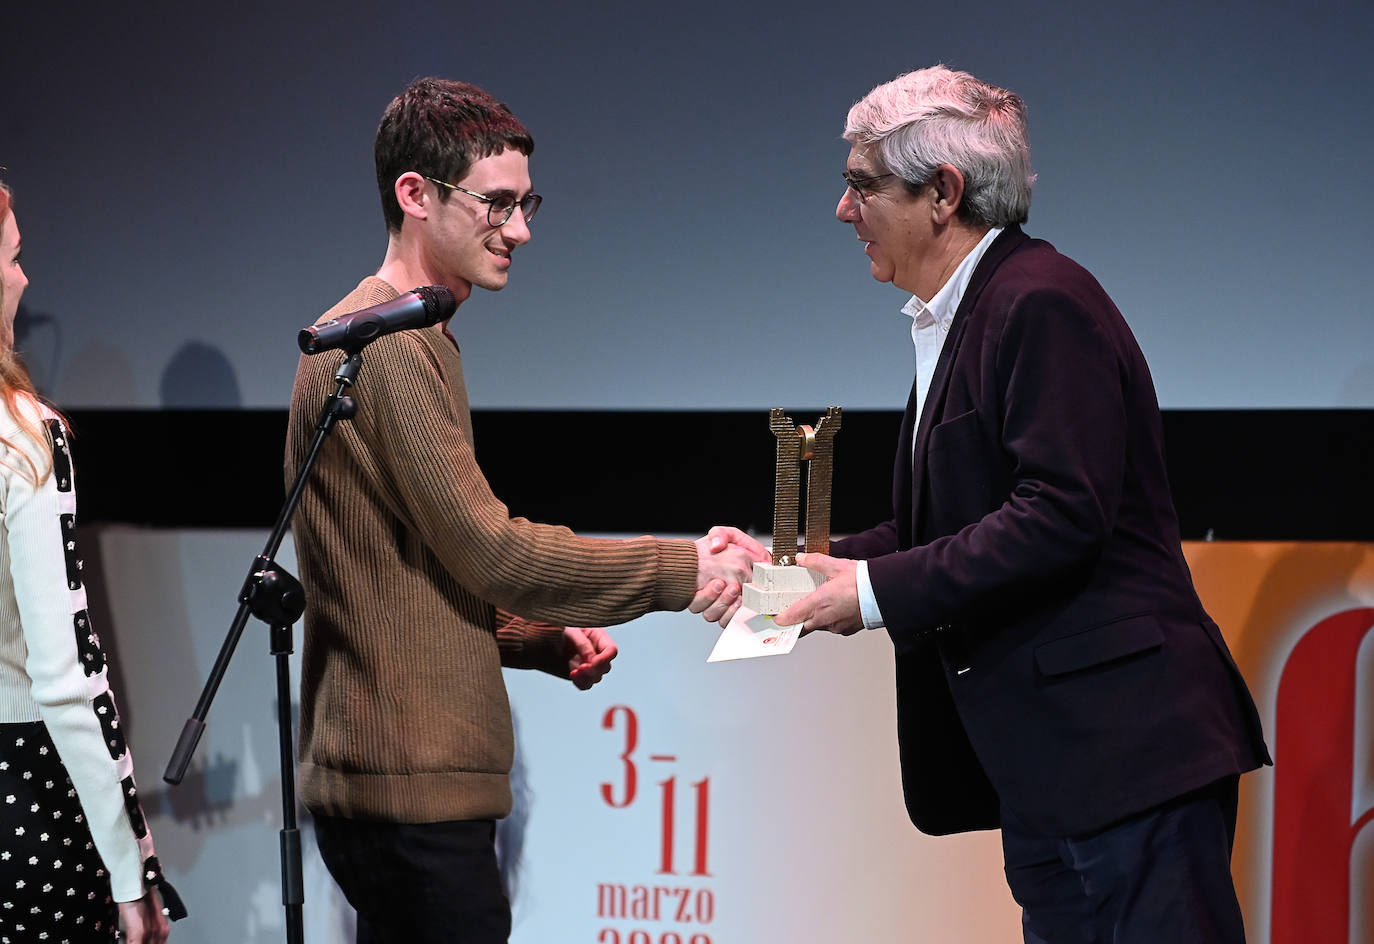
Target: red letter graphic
(1315, 824)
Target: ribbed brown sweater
(406, 555)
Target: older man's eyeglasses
(862, 186)
(501, 206)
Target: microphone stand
(274, 596)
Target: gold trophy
(778, 585)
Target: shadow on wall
(160, 638)
(510, 832)
(199, 377)
(164, 600)
(38, 339)
(95, 374)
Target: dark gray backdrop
(194, 183)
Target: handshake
(725, 562)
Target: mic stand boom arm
(277, 598)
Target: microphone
(420, 308)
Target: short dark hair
(439, 128)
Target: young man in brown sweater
(421, 586)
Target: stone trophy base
(776, 587)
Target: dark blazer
(1052, 654)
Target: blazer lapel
(934, 408)
(901, 474)
(931, 412)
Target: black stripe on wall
(1238, 474)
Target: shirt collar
(940, 309)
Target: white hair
(935, 116)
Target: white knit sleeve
(64, 660)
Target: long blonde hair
(16, 388)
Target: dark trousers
(1163, 875)
(418, 883)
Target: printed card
(751, 635)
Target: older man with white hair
(1057, 675)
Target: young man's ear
(413, 195)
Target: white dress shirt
(930, 322)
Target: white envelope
(751, 635)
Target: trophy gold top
(814, 448)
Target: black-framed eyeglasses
(862, 186)
(501, 206)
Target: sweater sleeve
(64, 661)
(408, 409)
(530, 644)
